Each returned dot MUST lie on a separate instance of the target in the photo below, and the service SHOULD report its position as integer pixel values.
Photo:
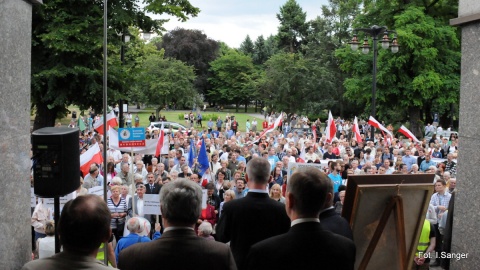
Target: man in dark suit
(306, 245)
(331, 220)
(152, 187)
(253, 218)
(179, 247)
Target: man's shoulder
(62, 261)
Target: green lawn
(173, 116)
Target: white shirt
(303, 220)
(117, 156)
(140, 207)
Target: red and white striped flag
(331, 128)
(111, 122)
(93, 155)
(158, 150)
(373, 122)
(301, 158)
(408, 133)
(356, 130)
(272, 127)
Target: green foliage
(424, 73)
(166, 80)
(247, 46)
(293, 28)
(233, 79)
(67, 51)
(194, 48)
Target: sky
(231, 21)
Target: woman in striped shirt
(118, 211)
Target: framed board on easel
(386, 214)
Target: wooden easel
(395, 205)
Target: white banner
(292, 166)
(98, 190)
(151, 204)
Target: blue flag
(202, 159)
(191, 154)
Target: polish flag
(272, 127)
(301, 158)
(373, 122)
(158, 150)
(111, 122)
(408, 133)
(331, 128)
(356, 130)
(93, 155)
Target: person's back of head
(258, 170)
(181, 202)
(84, 224)
(133, 225)
(308, 189)
(50, 228)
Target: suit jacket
(249, 220)
(177, 249)
(155, 190)
(305, 246)
(331, 221)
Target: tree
(233, 79)
(326, 34)
(293, 28)
(165, 80)
(292, 82)
(67, 37)
(194, 48)
(247, 46)
(425, 71)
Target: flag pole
(105, 68)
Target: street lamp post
(374, 31)
(125, 39)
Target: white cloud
(231, 21)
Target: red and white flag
(160, 143)
(111, 122)
(373, 122)
(356, 130)
(272, 127)
(331, 129)
(301, 158)
(408, 133)
(93, 155)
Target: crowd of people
(251, 196)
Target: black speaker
(56, 161)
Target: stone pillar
(15, 62)
(466, 219)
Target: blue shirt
(273, 161)
(337, 181)
(132, 239)
(409, 161)
(425, 165)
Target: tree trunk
(237, 105)
(44, 117)
(256, 104)
(246, 106)
(157, 112)
(415, 123)
(138, 105)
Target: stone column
(466, 219)
(15, 62)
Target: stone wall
(15, 62)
